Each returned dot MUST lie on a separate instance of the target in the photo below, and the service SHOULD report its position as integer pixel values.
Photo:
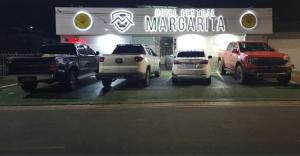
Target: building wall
(211, 44)
(102, 21)
(290, 47)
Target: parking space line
(11, 85)
(222, 78)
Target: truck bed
(29, 65)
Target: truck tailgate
(119, 64)
(29, 65)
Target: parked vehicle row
(68, 63)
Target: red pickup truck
(255, 60)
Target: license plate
(190, 66)
(27, 79)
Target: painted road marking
(222, 78)
(32, 148)
(11, 85)
(247, 104)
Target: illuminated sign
(249, 20)
(122, 20)
(83, 21)
(185, 20)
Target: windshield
(58, 49)
(129, 49)
(191, 54)
(249, 47)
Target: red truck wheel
(221, 68)
(284, 80)
(240, 75)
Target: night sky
(20, 14)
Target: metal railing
(5, 55)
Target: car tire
(29, 86)
(284, 80)
(157, 74)
(71, 80)
(221, 67)
(174, 81)
(208, 81)
(98, 78)
(146, 80)
(240, 75)
(107, 82)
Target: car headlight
(286, 58)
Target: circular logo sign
(248, 20)
(83, 21)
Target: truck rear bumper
(47, 78)
(123, 75)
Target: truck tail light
(53, 66)
(101, 59)
(138, 59)
(177, 62)
(203, 62)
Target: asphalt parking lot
(161, 89)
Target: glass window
(129, 50)
(90, 51)
(153, 53)
(229, 48)
(191, 54)
(254, 46)
(59, 49)
(149, 51)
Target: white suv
(129, 61)
(191, 65)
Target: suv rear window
(129, 49)
(191, 54)
(58, 49)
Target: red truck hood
(265, 54)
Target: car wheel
(221, 68)
(98, 77)
(284, 80)
(106, 82)
(157, 74)
(71, 81)
(174, 81)
(146, 80)
(208, 81)
(240, 75)
(29, 86)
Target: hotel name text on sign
(185, 20)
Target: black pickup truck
(65, 63)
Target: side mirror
(97, 53)
(235, 51)
(209, 57)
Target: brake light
(203, 62)
(53, 66)
(101, 59)
(177, 62)
(138, 59)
